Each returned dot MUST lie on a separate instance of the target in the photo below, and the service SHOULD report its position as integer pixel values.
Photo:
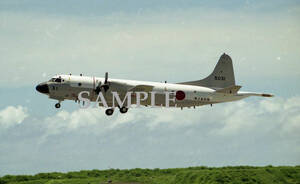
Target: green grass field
(235, 175)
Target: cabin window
(79, 84)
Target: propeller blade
(97, 90)
(106, 77)
(104, 86)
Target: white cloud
(291, 125)
(11, 116)
(228, 119)
(225, 134)
(92, 120)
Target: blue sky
(156, 41)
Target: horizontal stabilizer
(255, 94)
(230, 89)
(267, 95)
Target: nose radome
(42, 88)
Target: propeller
(104, 86)
(106, 77)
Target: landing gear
(57, 105)
(123, 109)
(109, 112)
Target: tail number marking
(220, 78)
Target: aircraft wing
(116, 85)
(145, 88)
(125, 87)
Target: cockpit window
(59, 80)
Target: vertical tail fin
(221, 77)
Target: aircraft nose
(42, 88)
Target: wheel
(57, 105)
(123, 109)
(109, 112)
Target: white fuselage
(70, 86)
(217, 87)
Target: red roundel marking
(180, 95)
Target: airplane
(218, 87)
